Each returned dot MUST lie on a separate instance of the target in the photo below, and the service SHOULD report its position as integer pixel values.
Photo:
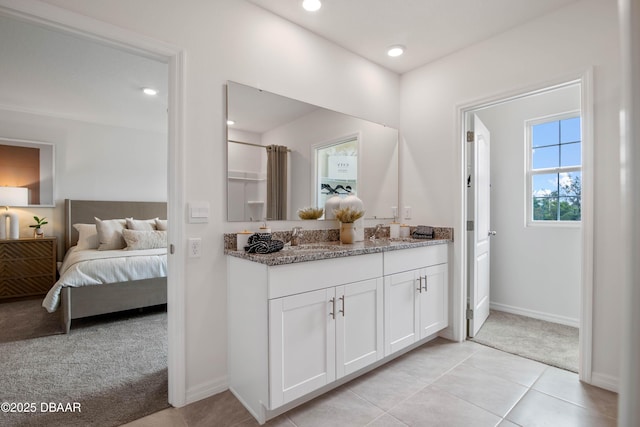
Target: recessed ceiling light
(149, 91)
(230, 122)
(311, 5)
(395, 50)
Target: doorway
(511, 290)
(112, 36)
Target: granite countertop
(334, 249)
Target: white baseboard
(207, 389)
(554, 318)
(606, 381)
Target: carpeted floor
(114, 366)
(24, 319)
(546, 342)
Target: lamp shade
(14, 196)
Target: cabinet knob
(419, 284)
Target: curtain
(277, 182)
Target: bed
(110, 291)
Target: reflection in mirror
(30, 165)
(336, 169)
(262, 119)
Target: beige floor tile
(508, 366)
(566, 385)
(538, 409)
(430, 361)
(220, 410)
(507, 423)
(431, 407)
(340, 407)
(386, 421)
(476, 386)
(281, 421)
(169, 417)
(387, 386)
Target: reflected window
(336, 169)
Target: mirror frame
(47, 180)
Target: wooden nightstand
(27, 267)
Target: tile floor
(438, 384)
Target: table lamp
(11, 196)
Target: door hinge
(469, 313)
(470, 136)
(469, 225)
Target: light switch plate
(198, 212)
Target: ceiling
(54, 73)
(429, 29)
(47, 71)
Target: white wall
(578, 36)
(534, 270)
(233, 40)
(92, 161)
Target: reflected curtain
(276, 182)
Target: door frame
(53, 17)
(585, 79)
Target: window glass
(546, 134)
(546, 157)
(555, 189)
(570, 130)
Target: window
(554, 170)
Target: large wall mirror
(29, 166)
(284, 155)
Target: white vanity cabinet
(297, 329)
(320, 336)
(416, 299)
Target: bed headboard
(84, 212)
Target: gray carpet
(26, 319)
(115, 366)
(546, 342)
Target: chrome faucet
(296, 234)
(375, 233)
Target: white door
(402, 315)
(359, 325)
(434, 315)
(479, 239)
(301, 344)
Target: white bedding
(93, 267)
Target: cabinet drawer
(301, 277)
(29, 249)
(25, 286)
(26, 267)
(410, 259)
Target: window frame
(529, 171)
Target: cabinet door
(433, 300)
(402, 316)
(301, 344)
(359, 325)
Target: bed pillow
(137, 239)
(161, 224)
(87, 236)
(110, 234)
(141, 224)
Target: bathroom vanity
(309, 318)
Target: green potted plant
(38, 231)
